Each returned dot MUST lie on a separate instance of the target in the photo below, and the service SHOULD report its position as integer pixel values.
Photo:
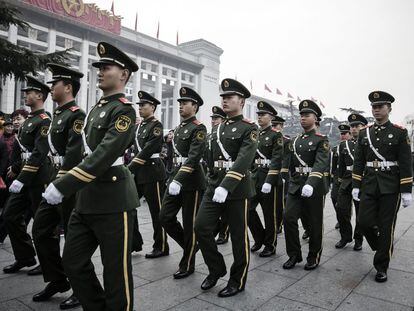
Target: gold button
(376, 170)
(114, 178)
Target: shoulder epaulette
(124, 100)
(398, 126)
(248, 121)
(74, 108)
(43, 116)
(197, 122)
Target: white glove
(52, 195)
(220, 195)
(266, 188)
(355, 194)
(307, 191)
(406, 199)
(174, 188)
(16, 186)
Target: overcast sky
(336, 51)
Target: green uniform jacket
(345, 159)
(239, 139)
(313, 149)
(32, 136)
(149, 136)
(392, 142)
(102, 188)
(285, 161)
(190, 142)
(65, 135)
(270, 144)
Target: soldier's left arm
(196, 152)
(405, 163)
(276, 160)
(321, 163)
(243, 161)
(39, 153)
(117, 139)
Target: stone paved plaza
(344, 280)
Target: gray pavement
(344, 280)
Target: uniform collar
(148, 120)
(106, 99)
(307, 134)
(36, 113)
(266, 129)
(382, 126)
(189, 120)
(234, 119)
(65, 106)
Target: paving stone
(13, 305)
(196, 305)
(356, 302)
(283, 304)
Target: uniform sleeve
(359, 163)
(243, 160)
(15, 158)
(196, 152)
(405, 163)
(321, 164)
(276, 160)
(152, 145)
(287, 153)
(335, 158)
(112, 146)
(4, 157)
(341, 161)
(39, 154)
(73, 151)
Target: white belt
(262, 161)
(350, 168)
(26, 155)
(57, 160)
(155, 156)
(119, 161)
(382, 164)
(179, 160)
(223, 164)
(303, 169)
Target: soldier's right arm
(287, 154)
(16, 158)
(359, 163)
(341, 161)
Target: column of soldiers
(75, 161)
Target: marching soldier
(65, 143)
(27, 188)
(149, 170)
(187, 182)
(381, 177)
(345, 166)
(266, 176)
(282, 186)
(106, 197)
(233, 147)
(309, 160)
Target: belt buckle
(301, 169)
(375, 164)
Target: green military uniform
(106, 200)
(309, 160)
(334, 155)
(149, 170)
(233, 148)
(344, 205)
(189, 145)
(35, 175)
(266, 169)
(382, 171)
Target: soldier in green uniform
(381, 178)
(187, 182)
(282, 186)
(266, 176)
(26, 189)
(149, 170)
(345, 166)
(309, 161)
(106, 196)
(230, 188)
(65, 143)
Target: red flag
(251, 84)
(298, 98)
(136, 22)
(289, 96)
(267, 88)
(323, 106)
(112, 7)
(176, 41)
(278, 92)
(158, 30)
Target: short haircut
(75, 86)
(24, 113)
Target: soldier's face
(232, 104)
(264, 119)
(146, 110)
(59, 91)
(216, 120)
(307, 120)
(111, 77)
(345, 136)
(187, 109)
(381, 112)
(31, 97)
(355, 129)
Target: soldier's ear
(125, 75)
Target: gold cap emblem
(226, 83)
(353, 117)
(305, 104)
(139, 94)
(183, 91)
(101, 49)
(376, 95)
(214, 109)
(260, 104)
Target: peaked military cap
(264, 107)
(308, 105)
(234, 87)
(344, 128)
(356, 118)
(218, 112)
(187, 93)
(111, 55)
(145, 98)
(35, 84)
(380, 98)
(60, 72)
(277, 120)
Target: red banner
(87, 13)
